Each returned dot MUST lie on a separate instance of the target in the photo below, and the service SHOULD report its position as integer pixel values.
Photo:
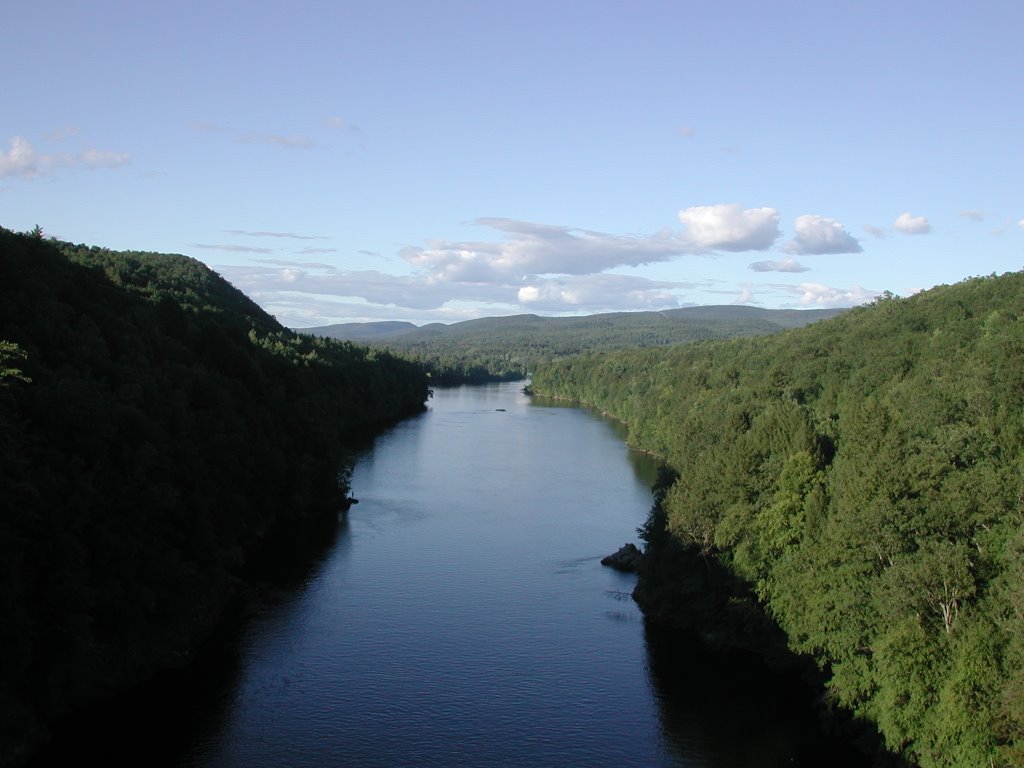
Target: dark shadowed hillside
(156, 427)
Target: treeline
(156, 427)
(861, 483)
(508, 348)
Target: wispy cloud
(292, 264)
(24, 161)
(232, 248)
(973, 214)
(341, 124)
(203, 126)
(289, 235)
(785, 265)
(277, 140)
(62, 133)
(285, 141)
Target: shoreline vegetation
(159, 433)
(851, 492)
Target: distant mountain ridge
(406, 331)
(505, 348)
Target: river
(460, 617)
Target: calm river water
(461, 618)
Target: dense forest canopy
(155, 427)
(507, 348)
(861, 482)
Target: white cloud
(818, 234)
(786, 265)
(23, 160)
(598, 293)
(973, 214)
(1021, 223)
(823, 296)
(529, 248)
(912, 225)
(746, 296)
(729, 227)
(879, 232)
(538, 249)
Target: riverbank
(681, 591)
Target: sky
(441, 160)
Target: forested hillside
(509, 347)
(155, 427)
(861, 481)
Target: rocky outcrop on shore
(626, 559)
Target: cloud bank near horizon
(537, 267)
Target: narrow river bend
(461, 617)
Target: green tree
(9, 354)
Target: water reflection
(728, 710)
(165, 722)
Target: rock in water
(626, 559)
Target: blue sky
(438, 161)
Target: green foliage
(156, 429)
(864, 476)
(9, 354)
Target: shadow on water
(728, 710)
(157, 723)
